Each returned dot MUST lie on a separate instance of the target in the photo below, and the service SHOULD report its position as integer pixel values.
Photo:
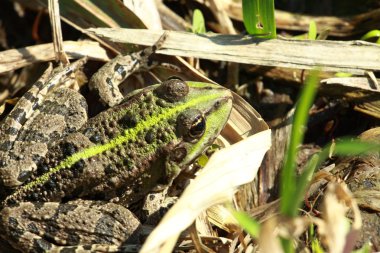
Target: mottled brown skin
(122, 170)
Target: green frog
(67, 181)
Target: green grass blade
(259, 19)
(288, 176)
(198, 22)
(312, 35)
(304, 180)
(247, 223)
(371, 34)
(347, 147)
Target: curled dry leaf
(216, 183)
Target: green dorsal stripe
(129, 135)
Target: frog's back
(126, 150)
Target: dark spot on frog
(50, 184)
(11, 131)
(71, 129)
(368, 184)
(104, 226)
(161, 103)
(11, 202)
(163, 211)
(68, 148)
(78, 167)
(34, 136)
(128, 121)
(88, 131)
(42, 168)
(40, 245)
(76, 192)
(6, 145)
(64, 208)
(109, 81)
(48, 235)
(73, 239)
(120, 69)
(39, 85)
(121, 152)
(127, 163)
(55, 135)
(13, 223)
(33, 228)
(87, 247)
(37, 158)
(152, 197)
(18, 115)
(15, 230)
(56, 109)
(111, 133)
(32, 196)
(24, 175)
(178, 154)
(92, 134)
(96, 138)
(29, 96)
(38, 205)
(109, 169)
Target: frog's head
(202, 110)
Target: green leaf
(258, 17)
(316, 246)
(202, 160)
(247, 223)
(198, 22)
(351, 147)
(343, 74)
(312, 35)
(371, 34)
(289, 188)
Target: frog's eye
(191, 124)
(198, 127)
(172, 90)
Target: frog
(67, 180)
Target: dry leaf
(216, 183)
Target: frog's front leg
(107, 79)
(39, 227)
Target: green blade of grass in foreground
(288, 175)
(198, 22)
(250, 225)
(312, 34)
(372, 34)
(258, 17)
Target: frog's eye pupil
(198, 127)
